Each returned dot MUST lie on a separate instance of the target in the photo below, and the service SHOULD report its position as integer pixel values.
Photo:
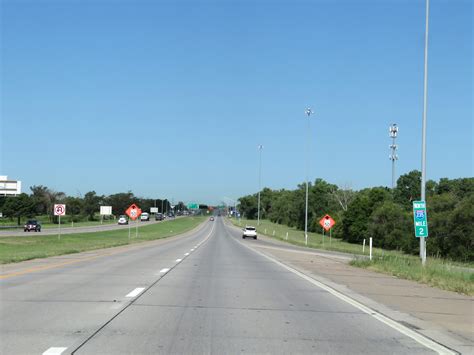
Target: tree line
(41, 200)
(379, 212)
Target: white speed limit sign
(59, 210)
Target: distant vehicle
(122, 220)
(211, 219)
(32, 225)
(170, 215)
(145, 217)
(159, 217)
(250, 232)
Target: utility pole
(393, 156)
(423, 144)
(308, 112)
(260, 147)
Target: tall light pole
(308, 113)
(260, 147)
(423, 143)
(393, 156)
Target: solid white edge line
(178, 260)
(165, 270)
(54, 351)
(135, 292)
(421, 339)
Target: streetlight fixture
(393, 129)
(308, 113)
(260, 147)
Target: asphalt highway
(65, 229)
(204, 292)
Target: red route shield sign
(327, 222)
(133, 211)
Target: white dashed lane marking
(178, 260)
(135, 292)
(165, 270)
(54, 351)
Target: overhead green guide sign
(193, 206)
(420, 219)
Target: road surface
(65, 229)
(204, 292)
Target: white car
(122, 220)
(145, 216)
(250, 232)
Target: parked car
(32, 225)
(159, 217)
(122, 220)
(145, 217)
(249, 231)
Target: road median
(16, 249)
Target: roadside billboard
(105, 210)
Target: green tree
(408, 188)
(356, 219)
(248, 206)
(461, 239)
(18, 207)
(390, 227)
(121, 201)
(91, 204)
(281, 207)
(458, 187)
(74, 207)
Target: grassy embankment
(32, 246)
(441, 273)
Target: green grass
(15, 249)
(444, 274)
(436, 272)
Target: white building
(9, 187)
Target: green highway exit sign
(420, 219)
(193, 206)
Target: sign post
(327, 223)
(59, 210)
(133, 211)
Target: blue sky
(171, 98)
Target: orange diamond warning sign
(133, 211)
(327, 222)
